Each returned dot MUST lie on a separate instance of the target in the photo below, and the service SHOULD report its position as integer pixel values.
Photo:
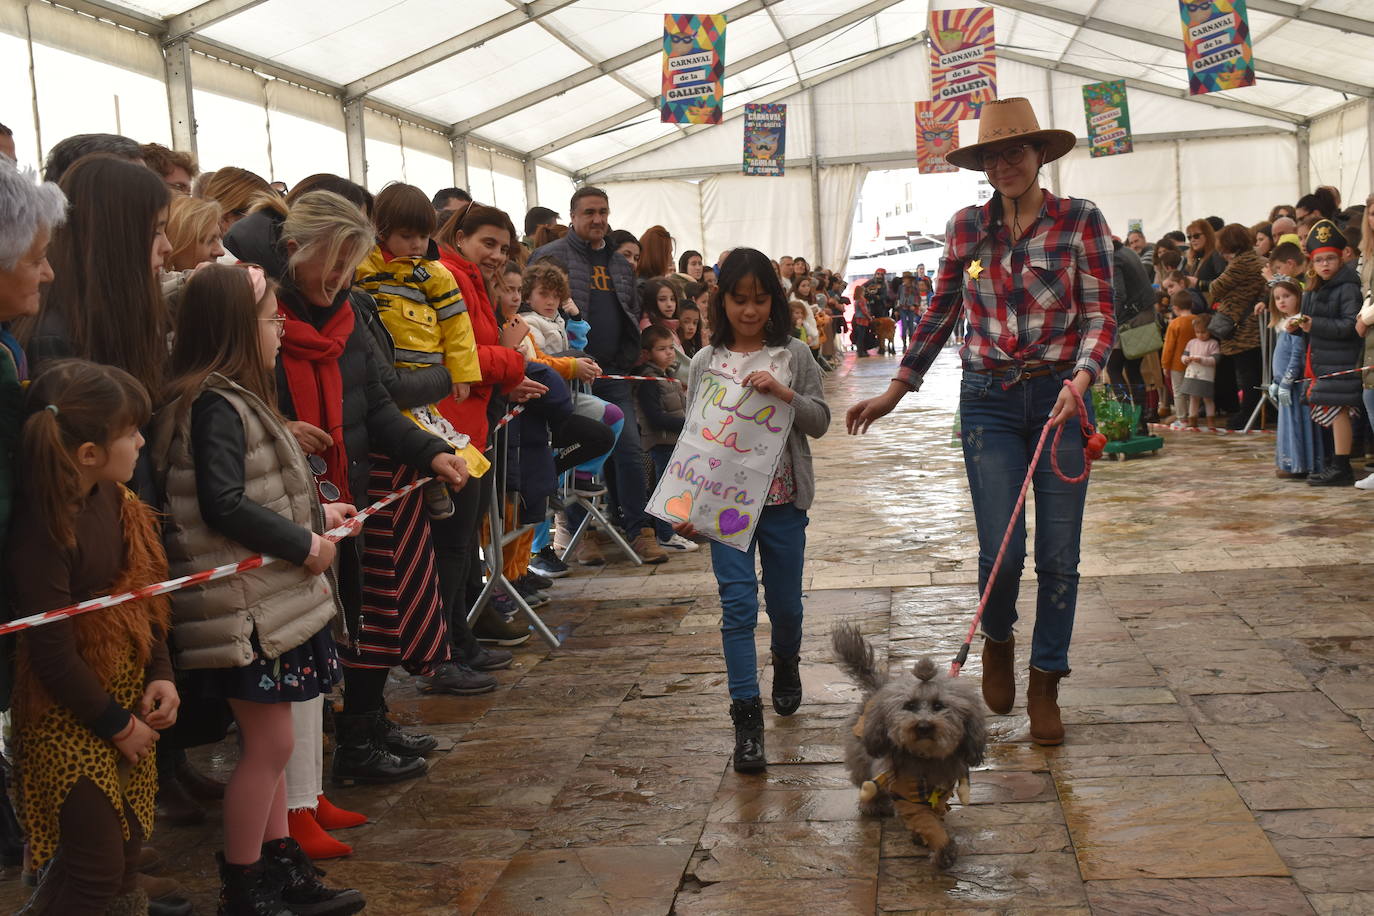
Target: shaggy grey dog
(913, 741)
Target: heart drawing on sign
(732, 521)
(714, 462)
(679, 507)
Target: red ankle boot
(310, 836)
(331, 817)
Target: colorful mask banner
(963, 57)
(693, 69)
(765, 139)
(1109, 119)
(937, 132)
(722, 467)
(1216, 39)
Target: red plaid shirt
(1044, 298)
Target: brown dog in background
(886, 329)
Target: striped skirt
(402, 621)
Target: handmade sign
(963, 58)
(722, 467)
(1109, 120)
(937, 132)
(765, 139)
(693, 69)
(1216, 41)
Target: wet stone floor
(1220, 712)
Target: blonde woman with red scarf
(329, 386)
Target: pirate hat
(1323, 237)
(1010, 119)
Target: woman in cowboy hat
(1032, 274)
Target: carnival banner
(723, 464)
(1216, 39)
(765, 139)
(937, 132)
(1109, 119)
(963, 57)
(693, 69)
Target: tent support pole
(1369, 118)
(357, 141)
(176, 63)
(33, 89)
(1049, 93)
(531, 184)
(1178, 182)
(817, 255)
(1304, 158)
(459, 155)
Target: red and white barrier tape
(208, 575)
(1343, 372)
(638, 378)
(510, 415)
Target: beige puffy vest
(213, 623)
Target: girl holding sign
(751, 326)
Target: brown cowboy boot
(999, 681)
(1042, 704)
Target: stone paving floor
(1220, 713)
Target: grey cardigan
(810, 412)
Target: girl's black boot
(787, 685)
(748, 718)
(248, 890)
(302, 890)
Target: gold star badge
(975, 269)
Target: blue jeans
(1001, 427)
(780, 540)
(661, 454)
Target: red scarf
(310, 361)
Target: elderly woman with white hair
(29, 210)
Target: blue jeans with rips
(780, 542)
(1000, 428)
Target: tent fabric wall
(1238, 188)
(553, 190)
(674, 205)
(1114, 184)
(840, 187)
(770, 214)
(1340, 152)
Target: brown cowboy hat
(1010, 119)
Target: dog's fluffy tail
(855, 655)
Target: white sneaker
(1365, 484)
(678, 542)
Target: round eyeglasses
(1012, 155)
(319, 467)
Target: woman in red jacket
(473, 244)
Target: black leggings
(1249, 372)
(455, 553)
(578, 440)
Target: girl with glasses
(237, 484)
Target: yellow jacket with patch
(422, 307)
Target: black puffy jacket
(1334, 344)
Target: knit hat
(1324, 237)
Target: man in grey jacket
(603, 286)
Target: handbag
(1221, 326)
(1141, 339)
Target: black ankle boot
(248, 890)
(748, 718)
(360, 756)
(787, 685)
(302, 890)
(1338, 473)
(400, 742)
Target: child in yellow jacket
(424, 311)
(417, 298)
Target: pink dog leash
(1094, 442)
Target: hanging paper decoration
(937, 132)
(693, 69)
(765, 139)
(1109, 120)
(963, 57)
(722, 467)
(1216, 37)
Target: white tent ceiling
(573, 82)
(514, 99)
